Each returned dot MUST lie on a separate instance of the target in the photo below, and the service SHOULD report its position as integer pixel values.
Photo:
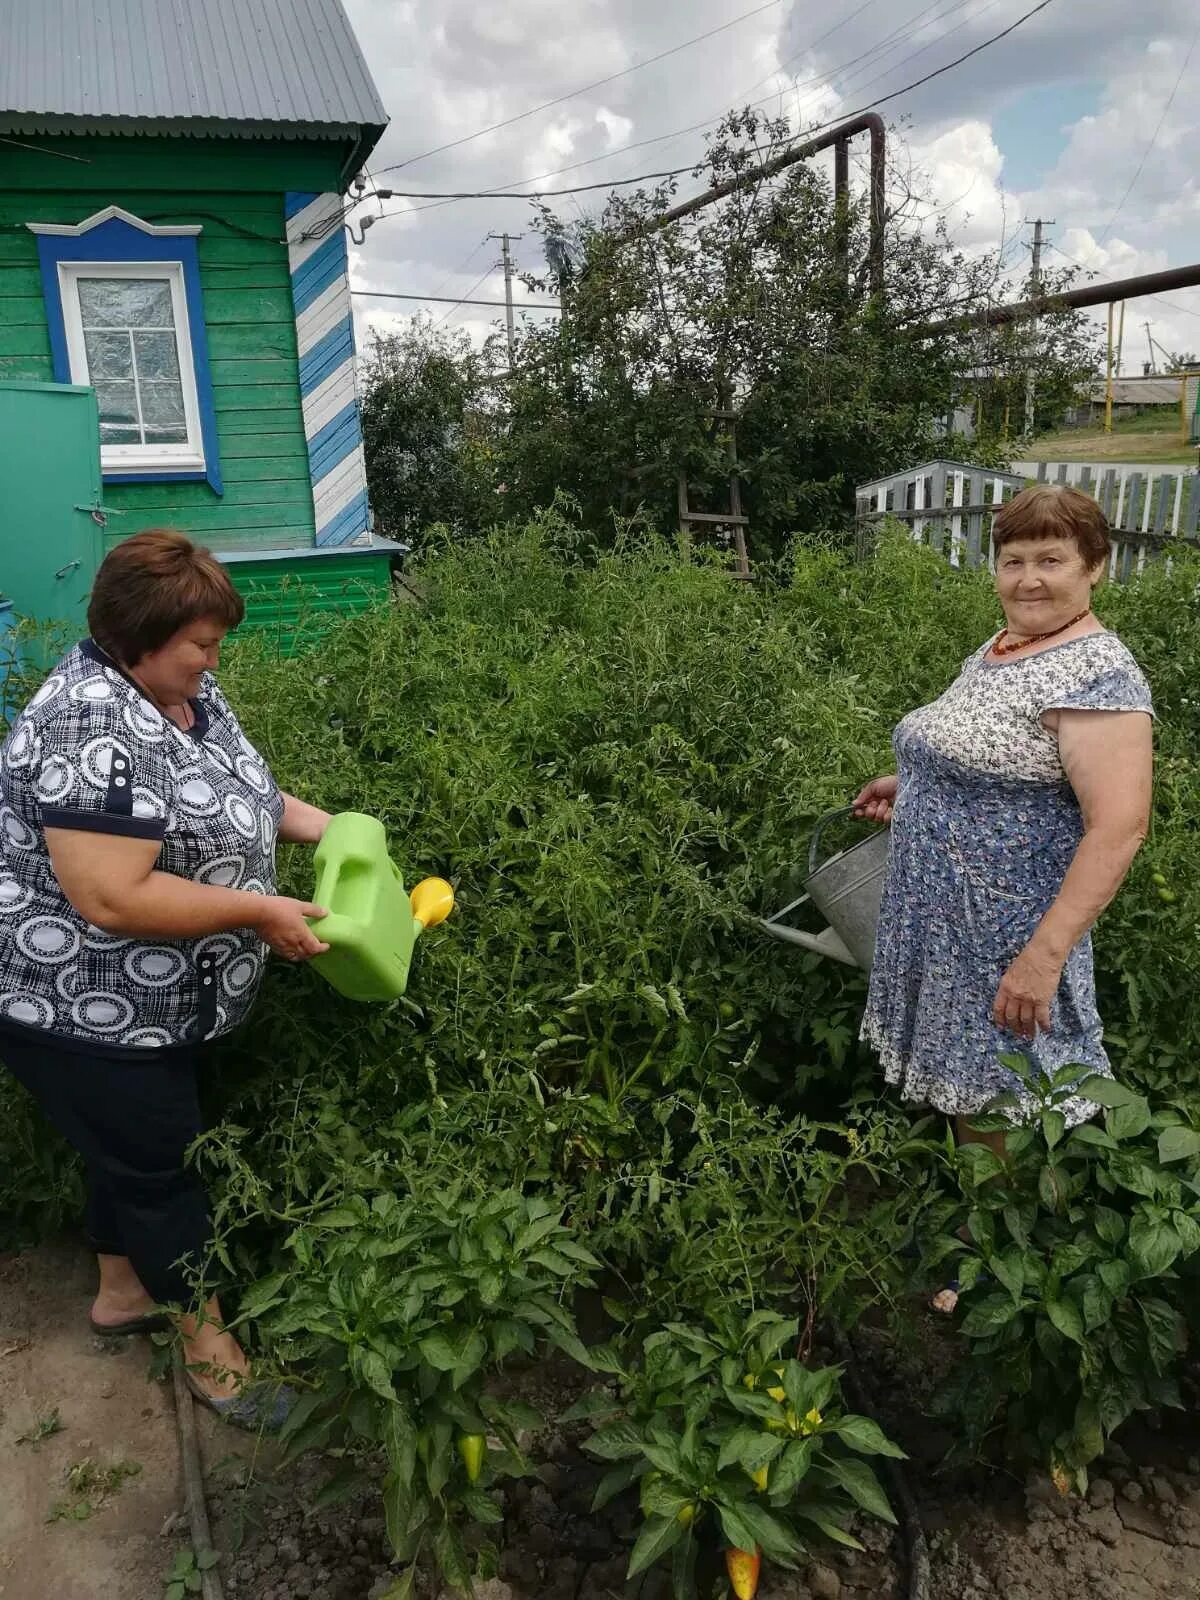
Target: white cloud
(448, 68)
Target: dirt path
(110, 1414)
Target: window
(126, 318)
(126, 327)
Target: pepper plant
(733, 1446)
(1068, 1292)
(400, 1309)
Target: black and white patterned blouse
(90, 752)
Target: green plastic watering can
(372, 925)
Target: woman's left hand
(1022, 1003)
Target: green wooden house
(176, 340)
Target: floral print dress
(984, 828)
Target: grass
(1154, 438)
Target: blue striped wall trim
(326, 356)
(353, 516)
(328, 378)
(323, 268)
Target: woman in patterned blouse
(1020, 799)
(137, 904)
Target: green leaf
(452, 1558)
(1153, 1246)
(1178, 1144)
(823, 1518)
(397, 1508)
(866, 1436)
(1166, 1333)
(193, 1583)
(658, 1536)
(377, 1374)
(861, 1484)
(595, 1403)
(1016, 1228)
(175, 1591)
(1053, 1127)
(1090, 1135)
(1109, 1224)
(1115, 1277)
(207, 1560)
(439, 1352)
(737, 1531)
(1008, 1270)
(746, 1447)
(1052, 1189)
(1130, 1120)
(791, 1468)
(617, 1479)
(776, 1539)
(619, 1442)
(1107, 1092)
(482, 1507)
(1064, 1314)
(1096, 1304)
(400, 1442)
(996, 1312)
(182, 1565)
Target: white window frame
(133, 458)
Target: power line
(661, 138)
(1153, 140)
(445, 299)
(586, 88)
(503, 193)
(499, 194)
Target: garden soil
(1135, 1537)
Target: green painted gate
(51, 515)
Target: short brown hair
(151, 585)
(1055, 511)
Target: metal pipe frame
(1092, 294)
(839, 136)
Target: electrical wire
(1153, 140)
(708, 122)
(445, 299)
(502, 194)
(586, 88)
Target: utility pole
(1108, 381)
(1035, 281)
(1150, 345)
(506, 240)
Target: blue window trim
(121, 243)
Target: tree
(429, 431)
(761, 304)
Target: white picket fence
(949, 505)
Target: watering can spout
(432, 902)
(825, 943)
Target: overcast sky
(1058, 121)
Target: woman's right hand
(877, 799)
(281, 922)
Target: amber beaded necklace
(1002, 649)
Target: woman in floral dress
(1020, 799)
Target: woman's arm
(1108, 760)
(302, 823)
(113, 883)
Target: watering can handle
(830, 816)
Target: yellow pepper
(743, 1567)
(472, 1447)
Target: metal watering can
(846, 889)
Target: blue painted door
(51, 517)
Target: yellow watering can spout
(432, 901)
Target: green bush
(731, 1442)
(1069, 1298)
